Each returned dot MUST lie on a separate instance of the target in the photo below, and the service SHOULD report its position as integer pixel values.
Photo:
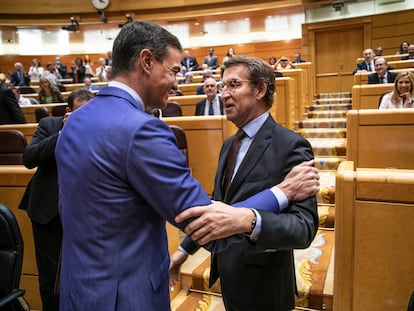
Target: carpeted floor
(325, 128)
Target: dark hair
(81, 94)
(136, 36)
(258, 72)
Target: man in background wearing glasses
(257, 273)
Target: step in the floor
(322, 132)
(326, 194)
(322, 147)
(314, 276)
(326, 106)
(328, 163)
(331, 114)
(334, 95)
(321, 123)
(331, 101)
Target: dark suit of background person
(189, 62)
(211, 60)
(41, 199)
(201, 107)
(10, 111)
(19, 78)
(366, 63)
(259, 274)
(373, 78)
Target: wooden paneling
(381, 138)
(373, 248)
(367, 96)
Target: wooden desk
(367, 96)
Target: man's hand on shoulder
(301, 182)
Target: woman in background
(49, 94)
(402, 95)
(35, 70)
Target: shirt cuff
(258, 228)
(280, 197)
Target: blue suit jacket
(121, 176)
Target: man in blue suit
(121, 176)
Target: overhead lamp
(74, 25)
(128, 20)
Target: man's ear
(261, 89)
(146, 59)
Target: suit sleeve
(42, 146)
(295, 226)
(14, 107)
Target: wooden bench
(373, 238)
(367, 96)
(300, 86)
(29, 111)
(309, 79)
(361, 78)
(381, 138)
(393, 57)
(402, 64)
(27, 129)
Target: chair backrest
(59, 111)
(41, 113)
(11, 252)
(12, 145)
(26, 90)
(173, 109)
(181, 139)
(381, 96)
(61, 87)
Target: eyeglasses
(233, 85)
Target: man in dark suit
(41, 197)
(410, 55)
(190, 63)
(211, 60)
(367, 64)
(212, 105)
(258, 273)
(19, 77)
(381, 75)
(10, 111)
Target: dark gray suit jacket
(201, 106)
(259, 275)
(41, 196)
(373, 78)
(10, 111)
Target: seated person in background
(88, 85)
(410, 53)
(51, 74)
(403, 47)
(49, 94)
(212, 105)
(19, 77)
(60, 68)
(297, 59)
(211, 60)
(189, 62)
(41, 197)
(10, 111)
(272, 61)
(206, 74)
(378, 51)
(188, 78)
(367, 64)
(381, 75)
(174, 92)
(402, 96)
(283, 63)
(22, 101)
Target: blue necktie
(210, 109)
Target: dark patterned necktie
(210, 109)
(231, 158)
(381, 79)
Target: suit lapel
(258, 146)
